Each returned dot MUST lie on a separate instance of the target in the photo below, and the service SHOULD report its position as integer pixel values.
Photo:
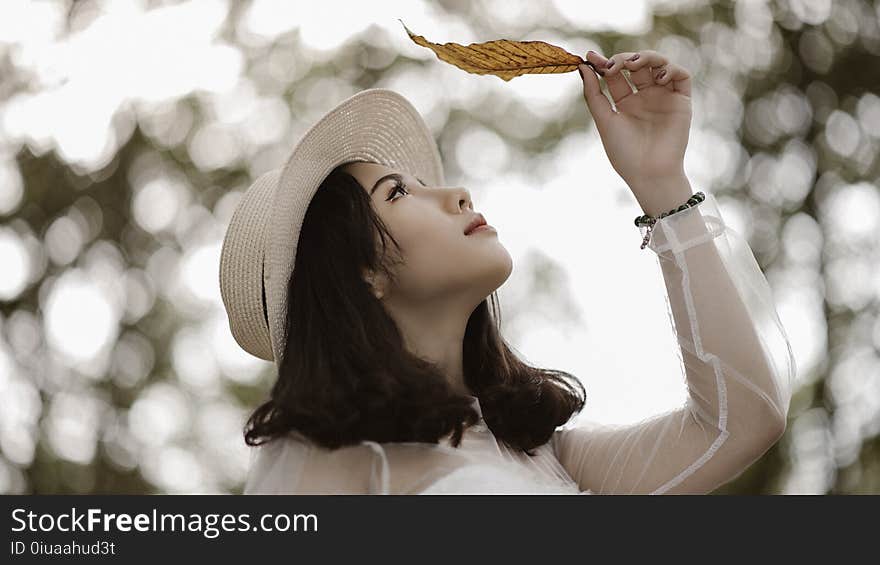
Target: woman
(392, 375)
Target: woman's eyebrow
(392, 176)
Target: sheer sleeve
(738, 365)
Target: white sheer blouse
(739, 370)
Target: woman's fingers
(617, 85)
(642, 69)
(646, 68)
(651, 67)
(674, 77)
(599, 106)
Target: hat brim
(377, 125)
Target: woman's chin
(501, 269)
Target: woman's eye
(398, 187)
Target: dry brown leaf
(503, 58)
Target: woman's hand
(645, 139)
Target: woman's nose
(454, 199)
(464, 199)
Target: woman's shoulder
(294, 464)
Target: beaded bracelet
(647, 220)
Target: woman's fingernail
(634, 57)
(609, 64)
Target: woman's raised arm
(736, 355)
(737, 361)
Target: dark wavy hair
(345, 374)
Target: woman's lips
(484, 227)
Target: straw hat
(259, 248)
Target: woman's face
(439, 260)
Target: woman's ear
(377, 281)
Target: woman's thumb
(596, 101)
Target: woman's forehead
(370, 171)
